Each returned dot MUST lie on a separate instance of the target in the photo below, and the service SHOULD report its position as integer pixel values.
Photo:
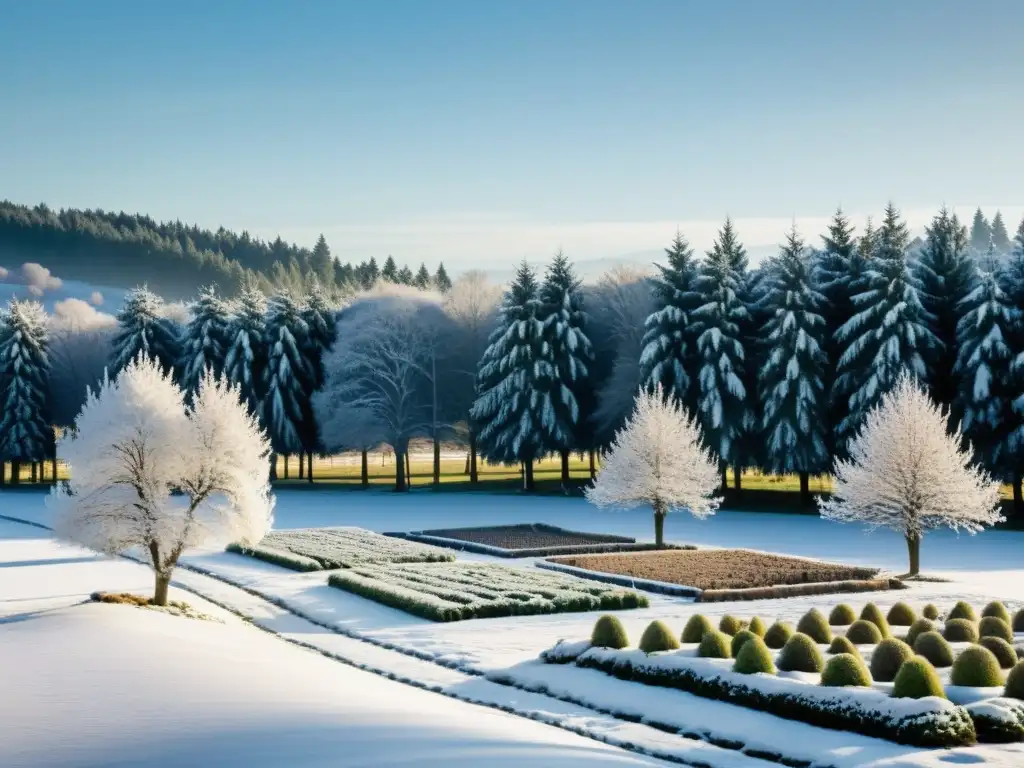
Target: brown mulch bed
(530, 536)
(713, 569)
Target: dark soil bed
(713, 569)
(529, 536)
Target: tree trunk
(725, 478)
(737, 475)
(474, 476)
(365, 474)
(15, 472)
(3, 474)
(35, 471)
(659, 526)
(1018, 496)
(273, 467)
(399, 470)
(55, 469)
(565, 467)
(286, 466)
(528, 476)
(437, 461)
(593, 464)
(914, 550)
(309, 467)
(805, 488)
(163, 583)
(408, 470)
(302, 465)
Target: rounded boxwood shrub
(1002, 650)
(930, 612)
(917, 628)
(934, 647)
(777, 634)
(696, 627)
(874, 614)
(757, 626)
(715, 645)
(960, 631)
(801, 654)
(1015, 682)
(739, 639)
(901, 615)
(815, 626)
(730, 625)
(658, 637)
(1018, 621)
(754, 657)
(842, 615)
(609, 633)
(845, 670)
(863, 632)
(842, 644)
(976, 667)
(888, 657)
(962, 610)
(996, 609)
(993, 626)
(917, 679)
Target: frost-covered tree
(145, 329)
(658, 458)
(889, 334)
(321, 262)
(945, 269)
(567, 347)
(148, 473)
(286, 378)
(422, 279)
(246, 356)
(26, 434)
(907, 473)
(1013, 287)
(405, 276)
(205, 339)
(723, 405)
(389, 271)
(981, 231)
(792, 378)
(442, 282)
(319, 315)
(668, 355)
(1000, 237)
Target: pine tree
(204, 343)
(405, 276)
(390, 270)
(321, 262)
(246, 357)
(889, 334)
(371, 273)
(945, 270)
(1013, 287)
(25, 431)
(144, 330)
(722, 400)
(513, 409)
(669, 347)
(286, 379)
(980, 232)
(422, 279)
(1000, 237)
(321, 326)
(792, 378)
(441, 279)
(571, 354)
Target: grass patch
(173, 607)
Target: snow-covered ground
(981, 567)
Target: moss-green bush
(901, 615)
(777, 634)
(754, 657)
(917, 628)
(696, 627)
(730, 625)
(917, 679)
(842, 615)
(996, 609)
(609, 633)
(874, 614)
(715, 645)
(658, 637)
(815, 626)
(930, 612)
(1002, 650)
(739, 639)
(845, 670)
(934, 647)
(960, 631)
(1018, 621)
(842, 644)
(976, 667)
(863, 632)
(888, 657)
(962, 610)
(993, 626)
(1015, 682)
(757, 626)
(801, 654)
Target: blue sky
(489, 131)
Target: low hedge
(998, 721)
(799, 590)
(278, 557)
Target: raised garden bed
(526, 540)
(458, 591)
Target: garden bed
(458, 591)
(316, 549)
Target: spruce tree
(422, 279)
(668, 356)
(566, 344)
(792, 378)
(25, 430)
(144, 330)
(321, 262)
(441, 279)
(889, 334)
(389, 271)
(246, 356)
(513, 408)
(321, 325)
(1000, 237)
(287, 376)
(722, 396)
(945, 269)
(371, 273)
(405, 276)
(1013, 287)
(205, 340)
(980, 232)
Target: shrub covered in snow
(658, 637)
(1002, 650)
(842, 615)
(815, 625)
(934, 647)
(801, 654)
(1015, 681)
(976, 667)
(778, 634)
(754, 657)
(609, 633)
(962, 610)
(930, 612)
(960, 631)
(863, 632)
(874, 614)
(993, 626)
(998, 721)
(757, 626)
(715, 645)
(887, 658)
(844, 670)
(901, 615)
(730, 624)
(842, 644)
(696, 627)
(917, 628)
(996, 609)
(739, 639)
(917, 679)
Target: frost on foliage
(145, 329)
(287, 376)
(148, 473)
(205, 339)
(658, 458)
(907, 473)
(245, 354)
(1013, 284)
(791, 380)
(320, 322)
(25, 433)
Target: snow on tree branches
(25, 431)
(908, 473)
(658, 458)
(205, 339)
(146, 472)
(245, 355)
(144, 329)
(287, 376)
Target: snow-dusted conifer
(25, 431)
(205, 339)
(669, 347)
(1013, 287)
(907, 473)
(246, 355)
(658, 458)
(148, 473)
(145, 330)
(422, 279)
(389, 271)
(321, 322)
(442, 282)
(792, 386)
(287, 376)
(1000, 237)
(981, 232)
